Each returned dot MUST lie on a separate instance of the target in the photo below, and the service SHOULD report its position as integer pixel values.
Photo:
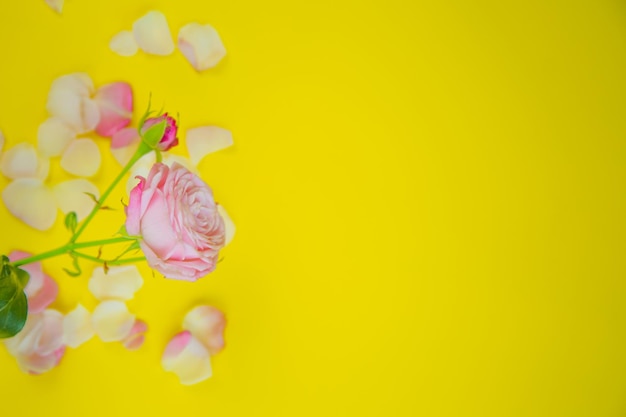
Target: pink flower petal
(72, 195)
(56, 5)
(229, 226)
(32, 202)
(115, 102)
(119, 283)
(40, 300)
(112, 321)
(77, 327)
(53, 136)
(186, 357)
(23, 161)
(140, 169)
(81, 158)
(207, 324)
(70, 100)
(152, 34)
(35, 282)
(124, 43)
(202, 141)
(137, 335)
(201, 45)
(124, 144)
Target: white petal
(32, 202)
(77, 327)
(202, 141)
(54, 136)
(124, 43)
(207, 323)
(56, 5)
(152, 34)
(112, 321)
(121, 282)
(201, 45)
(69, 100)
(81, 158)
(23, 161)
(71, 196)
(187, 358)
(229, 226)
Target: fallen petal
(51, 337)
(23, 161)
(1, 142)
(186, 357)
(202, 141)
(112, 321)
(69, 100)
(120, 282)
(32, 202)
(229, 226)
(124, 43)
(35, 272)
(115, 102)
(137, 335)
(207, 324)
(77, 327)
(56, 5)
(53, 136)
(72, 195)
(152, 34)
(124, 144)
(201, 45)
(81, 158)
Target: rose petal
(120, 282)
(207, 324)
(141, 168)
(40, 300)
(124, 144)
(115, 102)
(38, 364)
(81, 158)
(201, 45)
(23, 161)
(56, 5)
(53, 136)
(136, 337)
(202, 141)
(1, 142)
(229, 226)
(152, 34)
(35, 282)
(69, 100)
(187, 358)
(72, 195)
(112, 321)
(32, 202)
(77, 327)
(170, 159)
(124, 43)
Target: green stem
(111, 261)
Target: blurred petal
(69, 100)
(32, 202)
(53, 136)
(124, 43)
(120, 282)
(124, 144)
(51, 337)
(1, 141)
(56, 5)
(112, 321)
(72, 195)
(187, 358)
(77, 327)
(115, 102)
(38, 364)
(152, 34)
(137, 335)
(201, 45)
(35, 282)
(81, 158)
(38, 301)
(23, 161)
(207, 324)
(202, 141)
(229, 226)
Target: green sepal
(153, 136)
(71, 221)
(13, 303)
(77, 271)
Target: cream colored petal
(1, 142)
(32, 202)
(81, 158)
(119, 283)
(72, 195)
(201, 45)
(56, 5)
(77, 327)
(112, 321)
(124, 43)
(202, 141)
(152, 34)
(51, 337)
(186, 357)
(207, 324)
(23, 161)
(137, 335)
(229, 226)
(69, 99)
(53, 136)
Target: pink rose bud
(169, 139)
(175, 214)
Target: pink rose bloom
(169, 138)
(175, 214)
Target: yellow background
(430, 201)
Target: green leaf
(71, 221)
(154, 135)
(13, 303)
